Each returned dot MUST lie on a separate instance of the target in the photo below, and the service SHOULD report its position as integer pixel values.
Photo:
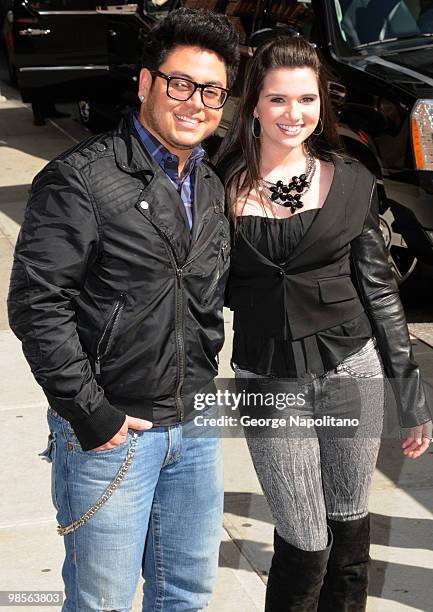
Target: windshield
(368, 22)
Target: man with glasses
(117, 294)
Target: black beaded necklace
(279, 192)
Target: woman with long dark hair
(314, 300)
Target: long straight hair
(238, 157)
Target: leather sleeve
(379, 292)
(58, 237)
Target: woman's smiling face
(288, 107)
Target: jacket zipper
(109, 330)
(180, 341)
(203, 248)
(217, 274)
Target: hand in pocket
(122, 434)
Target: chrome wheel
(401, 259)
(84, 112)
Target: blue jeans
(163, 520)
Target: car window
(367, 22)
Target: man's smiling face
(181, 125)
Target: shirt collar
(162, 155)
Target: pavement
(31, 552)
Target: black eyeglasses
(182, 89)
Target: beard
(152, 122)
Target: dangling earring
(254, 124)
(321, 128)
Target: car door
(58, 41)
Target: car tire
(85, 113)
(96, 117)
(89, 117)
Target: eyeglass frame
(200, 86)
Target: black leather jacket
(338, 269)
(379, 293)
(119, 310)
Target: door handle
(33, 32)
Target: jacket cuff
(415, 409)
(99, 427)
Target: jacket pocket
(338, 289)
(222, 259)
(109, 331)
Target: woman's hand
(418, 440)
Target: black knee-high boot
(345, 585)
(295, 577)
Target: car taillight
(422, 134)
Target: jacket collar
(166, 209)
(330, 218)
(131, 156)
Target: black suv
(78, 50)
(379, 58)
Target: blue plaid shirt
(170, 164)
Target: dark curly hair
(196, 28)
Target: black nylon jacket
(118, 308)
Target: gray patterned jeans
(309, 477)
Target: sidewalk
(31, 552)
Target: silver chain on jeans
(106, 494)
